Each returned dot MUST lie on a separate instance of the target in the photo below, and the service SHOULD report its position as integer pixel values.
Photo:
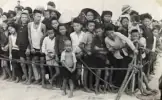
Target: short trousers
(67, 74)
(37, 53)
(22, 53)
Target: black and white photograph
(80, 49)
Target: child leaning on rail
(140, 43)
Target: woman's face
(77, 27)
(125, 22)
(62, 30)
(11, 30)
(90, 16)
(55, 24)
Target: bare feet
(17, 80)
(70, 95)
(64, 93)
(28, 82)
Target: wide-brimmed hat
(57, 13)
(125, 8)
(86, 10)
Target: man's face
(135, 36)
(37, 17)
(125, 22)
(147, 22)
(24, 18)
(47, 15)
(107, 18)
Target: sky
(75, 6)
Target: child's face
(53, 14)
(68, 46)
(147, 22)
(90, 16)
(47, 14)
(99, 32)
(77, 27)
(4, 25)
(55, 24)
(125, 22)
(91, 27)
(135, 36)
(62, 30)
(11, 30)
(110, 34)
(51, 34)
(24, 18)
(156, 32)
(107, 18)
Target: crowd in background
(44, 45)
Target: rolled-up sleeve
(127, 40)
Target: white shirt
(48, 45)
(36, 35)
(13, 40)
(76, 39)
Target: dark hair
(156, 27)
(13, 25)
(99, 25)
(122, 18)
(134, 31)
(29, 10)
(19, 8)
(76, 20)
(37, 11)
(50, 3)
(91, 22)
(146, 15)
(54, 19)
(133, 12)
(110, 28)
(135, 18)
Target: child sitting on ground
(68, 60)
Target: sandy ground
(13, 91)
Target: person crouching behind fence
(68, 60)
(14, 54)
(99, 53)
(117, 44)
(51, 58)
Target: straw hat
(125, 8)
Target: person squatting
(55, 51)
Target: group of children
(62, 50)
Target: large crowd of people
(36, 48)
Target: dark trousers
(15, 65)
